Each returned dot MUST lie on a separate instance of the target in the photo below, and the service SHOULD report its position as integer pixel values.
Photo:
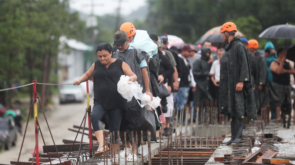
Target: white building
(71, 61)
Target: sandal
(98, 153)
(130, 157)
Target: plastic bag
(146, 99)
(155, 102)
(128, 90)
(124, 88)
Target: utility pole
(92, 23)
(92, 5)
(117, 26)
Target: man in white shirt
(215, 74)
(215, 68)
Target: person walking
(166, 72)
(270, 56)
(281, 70)
(178, 68)
(236, 95)
(106, 73)
(136, 118)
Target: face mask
(205, 57)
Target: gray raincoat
(260, 74)
(234, 68)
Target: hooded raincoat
(251, 60)
(234, 68)
(201, 70)
(260, 75)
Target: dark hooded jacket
(234, 68)
(260, 75)
(251, 60)
(201, 70)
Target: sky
(106, 6)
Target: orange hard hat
(253, 44)
(129, 28)
(228, 27)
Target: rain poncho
(270, 59)
(251, 60)
(260, 75)
(201, 70)
(143, 41)
(234, 68)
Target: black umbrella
(279, 31)
(291, 53)
(213, 38)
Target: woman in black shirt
(106, 73)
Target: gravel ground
(60, 119)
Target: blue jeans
(182, 96)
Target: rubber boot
(239, 131)
(233, 133)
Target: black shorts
(190, 96)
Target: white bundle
(146, 99)
(129, 89)
(156, 102)
(135, 89)
(124, 88)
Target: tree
(31, 31)
(190, 19)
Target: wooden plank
(66, 141)
(42, 159)
(81, 131)
(54, 162)
(218, 159)
(62, 148)
(286, 157)
(267, 155)
(22, 163)
(276, 161)
(251, 157)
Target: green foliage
(30, 32)
(190, 19)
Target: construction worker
(250, 56)
(236, 95)
(140, 39)
(260, 75)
